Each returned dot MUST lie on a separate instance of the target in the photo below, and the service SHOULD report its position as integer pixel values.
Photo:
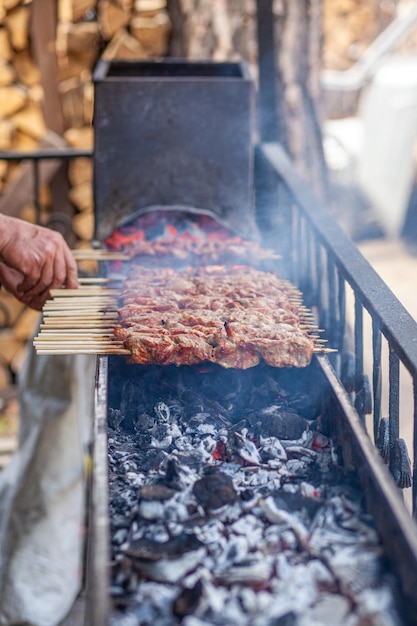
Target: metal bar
(395, 322)
(331, 278)
(376, 374)
(36, 194)
(98, 548)
(342, 312)
(397, 529)
(394, 404)
(320, 282)
(44, 153)
(415, 449)
(358, 333)
(268, 107)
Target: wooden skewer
(74, 339)
(96, 308)
(96, 280)
(99, 255)
(84, 291)
(324, 350)
(84, 350)
(76, 325)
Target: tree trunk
(226, 30)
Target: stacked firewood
(87, 29)
(49, 102)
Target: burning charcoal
(244, 449)
(245, 517)
(271, 448)
(162, 412)
(187, 600)
(331, 609)
(156, 492)
(129, 405)
(152, 460)
(356, 570)
(275, 515)
(274, 421)
(153, 550)
(293, 502)
(144, 423)
(115, 418)
(172, 478)
(170, 570)
(214, 490)
(251, 571)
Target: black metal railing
(325, 263)
(35, 158)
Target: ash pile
(229, 504)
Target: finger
(71, 281)
(30, 279)
(35, 302)
(44, 282)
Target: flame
(118, 239)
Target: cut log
(27, 71)
(26, 324)
(10, 309)
(19, 191)
(82, 196)
(12, 99)
(149, 8)
(152, 33)
(24, 142)
(72, 98)
(6, 134)
(6, 52)
(83, 225)
(7, 73)
(82, 138)
(17, 23)
(9, 346)
(74, 10)
(80, 171)
(30, 121)
(111, 17)
(4, 166)
(29, 214)
(80, 40)
(77, 48)
(124, 46)
(10, 4)
(5, 380)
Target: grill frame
(323, 263)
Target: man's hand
(11, 278)
(39, 255)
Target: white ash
(275, 533)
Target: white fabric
(42, 494)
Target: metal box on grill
(173, 134)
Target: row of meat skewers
(93, 318)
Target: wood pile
(48, 50)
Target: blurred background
(348, 75)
